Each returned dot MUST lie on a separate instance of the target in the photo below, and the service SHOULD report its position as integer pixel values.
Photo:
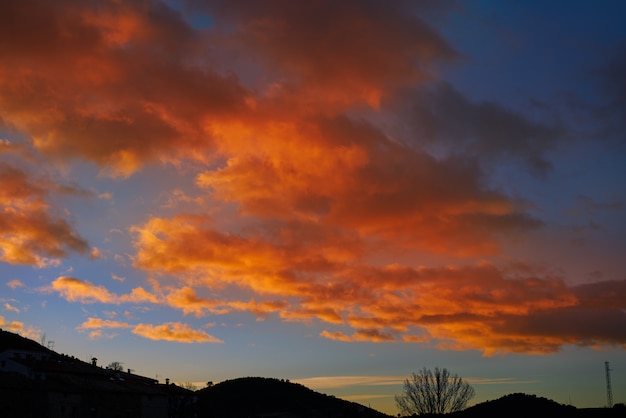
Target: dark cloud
(574, 325)
(585, 206)
(611, 114)
(346, 51)
(443, 118)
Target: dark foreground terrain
(262, 397)
(38, 382)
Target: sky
(334, 193)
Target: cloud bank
(322, 181)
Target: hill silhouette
(269, 397)
(519, 405)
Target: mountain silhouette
(269, 397)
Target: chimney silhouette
(93, 361)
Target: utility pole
(609, 392)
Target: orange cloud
(174, 331)
(326, 314)
(15, 283)
(95, 253)
(139, 295)
(94, 335)
(76, 290)
(97, 323)
(9, 307)
(170, 331)
(371, 335)
(118, 74)
(18, 327)
(379, 188)
(15, 326)
(280, 146)
(108, 82)
(260, 309)
(29, 234)
(474, 306)
(189, 302)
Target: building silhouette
(38, 382)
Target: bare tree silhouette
(189, 386)
(116, 366)
(434, 392)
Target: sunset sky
(337, 193)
